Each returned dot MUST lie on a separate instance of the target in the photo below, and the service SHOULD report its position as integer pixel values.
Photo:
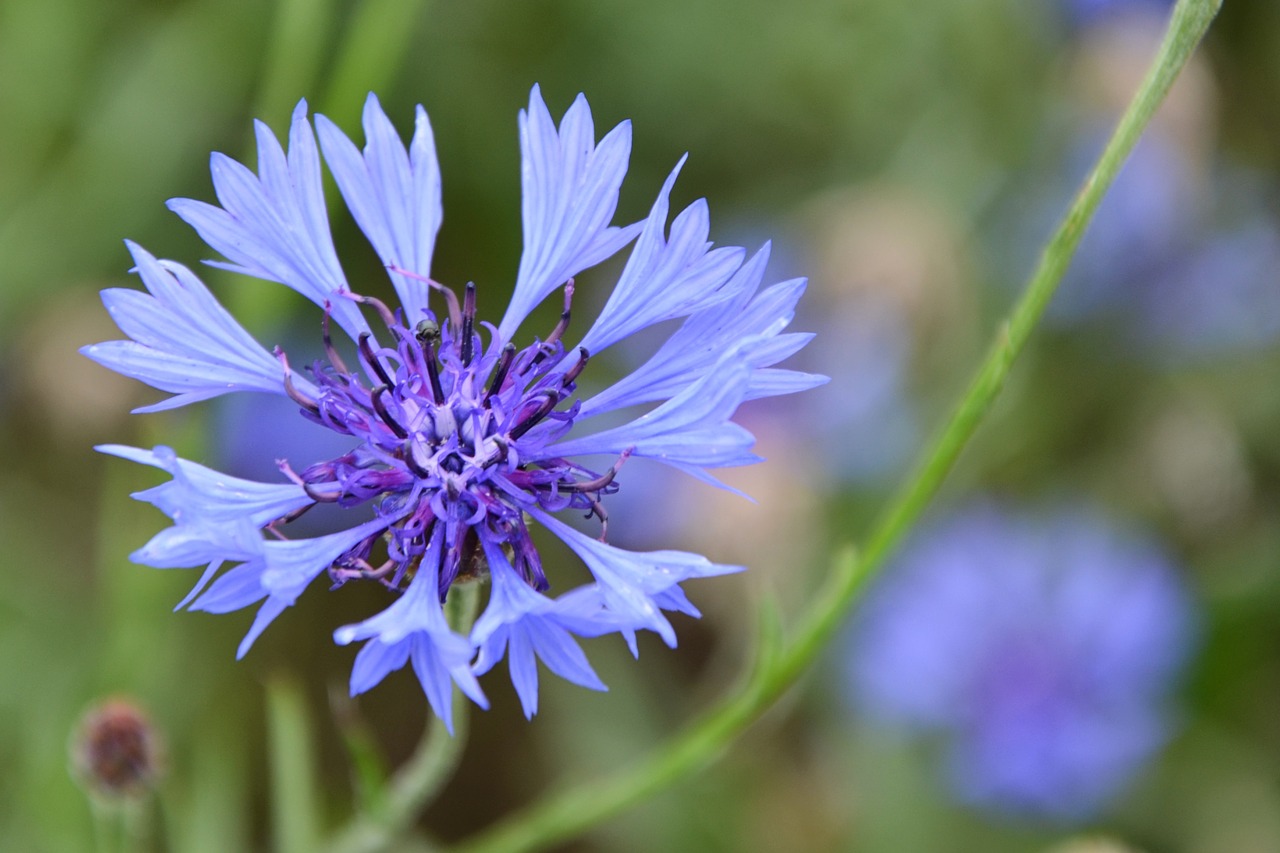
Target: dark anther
(535, 417)
(427, 331)
(371, 359)
(468, 322)
(500, 374)
(433, 372)
(329, 349)
(381, 408)
(572, 373)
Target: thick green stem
(779, 665)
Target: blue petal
(183, 341)
(279, 573)
(198, 543)
(217, 517)
(416, 621)
(666, 278)
(770, 382)
(393, 194)
(375, 662)
(692, 428)
(274, 225)
(706, 335)
(629, 581)
(197, 492)
(526, 624)
(569, 195)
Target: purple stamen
(428, 456)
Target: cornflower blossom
(1042, 651)
(461, 433)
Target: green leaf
(295, 797)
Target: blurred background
(1078, 651)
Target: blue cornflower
(459, 436)
(1042, 650)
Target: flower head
(1043, 651)
(460, 433)
(116, 751)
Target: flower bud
(116, 751)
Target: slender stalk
(780, 664)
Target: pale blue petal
(205, 577)
(416, 619)
(527, 624)
(197, 492)
(704, 338)
(274, 225)
(570, 192)
(183, 341)
(692, 428)
(774, 382)
(270, 609)
(524, 671)
(280, 573)
(629, 581)
(562, 655)
(235, 589)
(198, 543)
(393, 194)
(666, 277)
(376, 661)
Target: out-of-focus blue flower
(456, 438)
(1221, 295)
(1043, 650)
(1084, 12)
(1178, 273)
(1152, 212)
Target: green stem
(778, 666)
(431, 766)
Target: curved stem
(780, 664)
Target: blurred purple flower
(1086, 12)
(1150, 214)
(1043, 651)
(454, 446)
(1160, 270)
(1220, 296)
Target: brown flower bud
(116, 751)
